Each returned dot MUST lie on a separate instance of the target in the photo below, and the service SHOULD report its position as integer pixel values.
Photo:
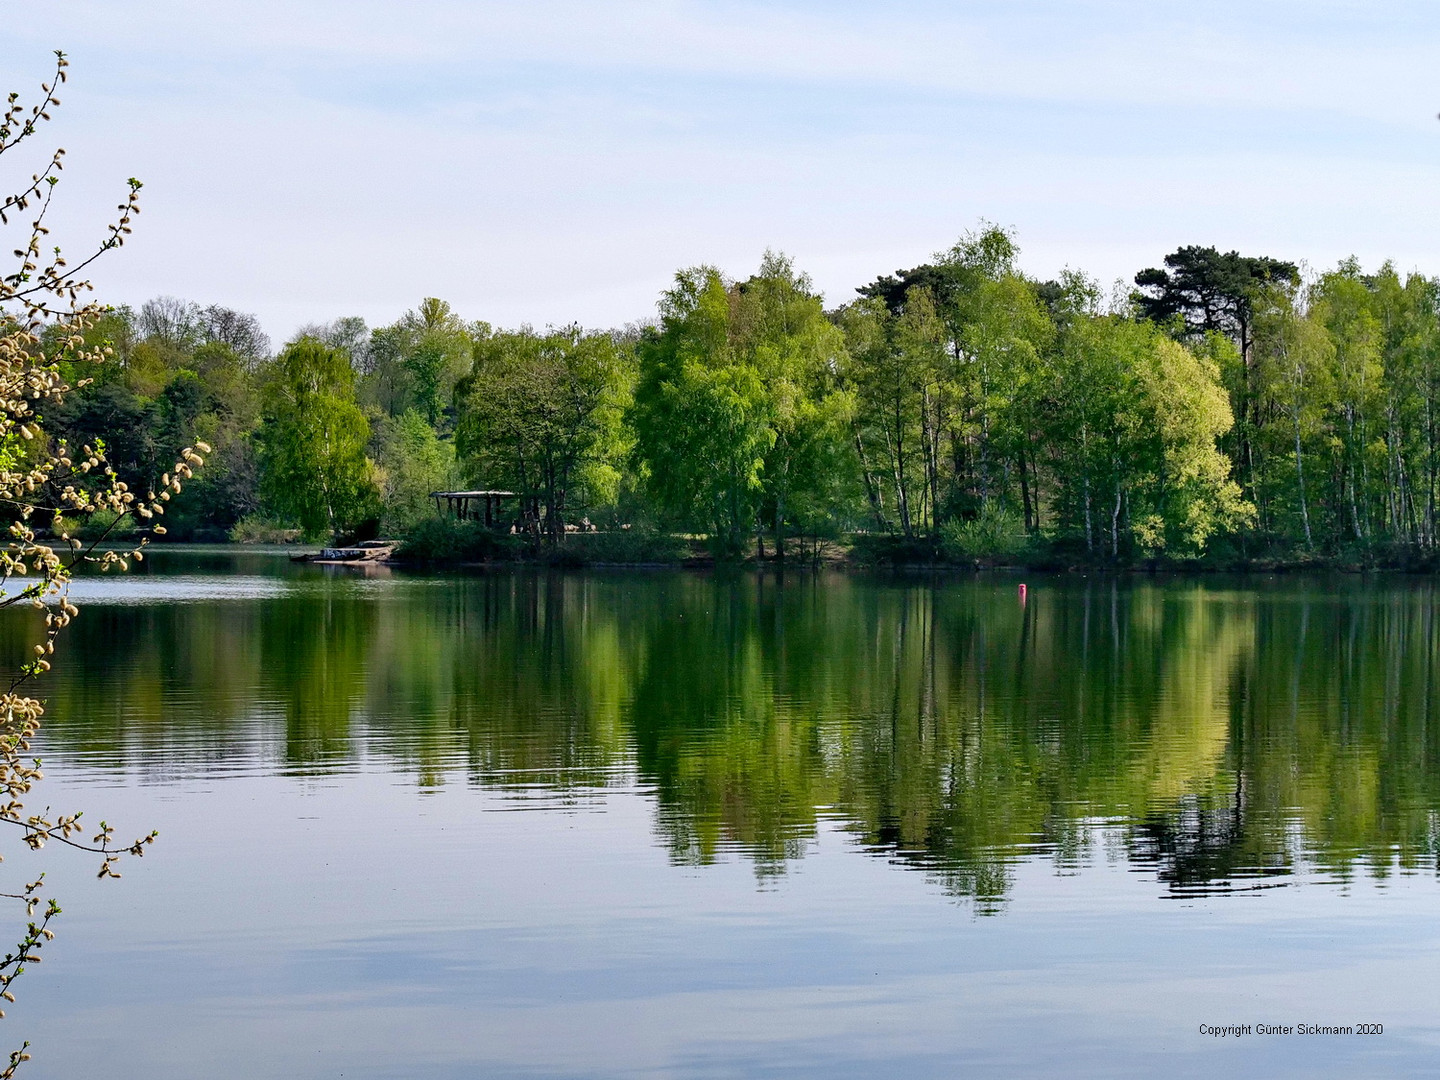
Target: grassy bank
(985, 545)
(440, 542)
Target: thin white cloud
(1366, 59)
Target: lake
(668, 824)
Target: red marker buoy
(1022, 594)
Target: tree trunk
(897, 462)
(872, 488)
(1300, 479)
(1115, 522)
(1089, 533)
(1430, 468)
(930, 438)
(1025, 491)
(780, 527)
(1035, 472)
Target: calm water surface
(674, 825)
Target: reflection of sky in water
(343, 886)
(176, 589)
(354, 926)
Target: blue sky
(557, 161)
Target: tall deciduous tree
(886, 383)
(412, 461)
(1201, 292)
(1132, 428)
(417, 362)
(1297, 358)
(1344, 305)
(1185, 411)
(778, 328)
(702, 420)
(968, 332)
(541, 415)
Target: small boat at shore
(367, 551)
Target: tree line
(1223, 405)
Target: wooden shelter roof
(468, 494)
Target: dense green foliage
(1229, 408)
(740, 420)
(540, 416)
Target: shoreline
(669, 553)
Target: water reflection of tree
(313, 653)
(733, 763)
(948, 727)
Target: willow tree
(1133, 424)
(1186, 490)
(741, 419)
(44, 317)
(312, 442)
